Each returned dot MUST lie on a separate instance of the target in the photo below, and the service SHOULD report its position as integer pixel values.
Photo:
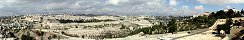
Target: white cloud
(220, 2)
(173, 2)
(185, 10)
(199, 8)
(120, 7)
(8, 1)
(1, 6)
(185, 7)
(113, 2)
(228, 7)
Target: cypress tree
(172, 26)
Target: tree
(230, 13)
(242, 12)
(25, 37)
(172, 26)
(235, 22)
(156, 28)
(227, 26)
(219, 27)
(238, 14)
(212, 15)
(220, 14)
(229, 21)
(147, 30)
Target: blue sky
(117, 7)
(209, 6)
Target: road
(208, 33)
(193, 32)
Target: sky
(117, 7)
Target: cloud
(1, 6)
(173, 2)
(129, 2)
(220, 2)
(198, 8)
(113, 2)
(185, 10)
(228, 7)
(116, 7)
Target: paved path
(192, 33)
(208, 33)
